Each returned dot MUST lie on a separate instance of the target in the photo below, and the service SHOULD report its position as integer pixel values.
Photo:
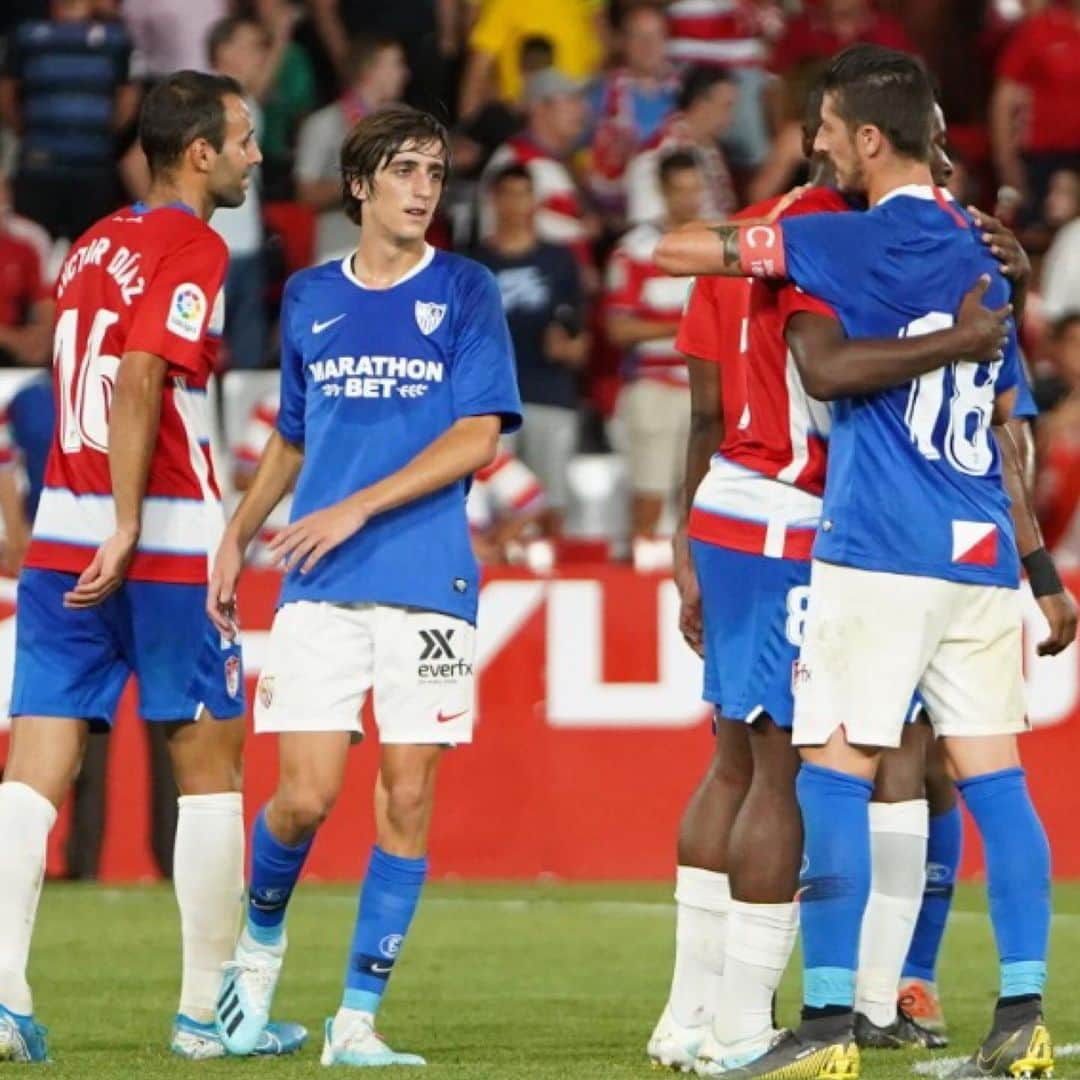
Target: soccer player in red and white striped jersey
(114, 582)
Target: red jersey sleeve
(711, 327)
(793, 300)
(173, 317)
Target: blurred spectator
(733, 34)
(574, 27)
(377, 76)
(238, 47)
(26, 430)
(26, 307)
(1035, 109)
(289, 93)
(504, 506)
(477, 138)
(1058, 436)
(706, 108)
(67, 91)
(170, 35)
(821, 32)
(1060, 279)
(556, 122)
(629, 104)
(644, 307)
(543, 299)
(426, 30)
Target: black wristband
(1042, 573)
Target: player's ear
(201, 155)
(870, 140)
(358, 188)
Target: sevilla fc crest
(429, 316)
(232, 676)
(266, 691)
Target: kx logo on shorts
(437, 644)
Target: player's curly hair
(376, 139)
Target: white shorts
(323, 658)
(656, 421)
(872, 639)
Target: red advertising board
(591, 735)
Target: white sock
(208, 874)
(25, 820)
(898, 833)
(702, 898)
(760, 938)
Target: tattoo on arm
(729, 241)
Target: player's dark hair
(374, 142)
(698, 81)
(811, 115)
(888, 89)
(183, 107)
(221, 33)
(363, 49)
(676, 161)
(511, 172)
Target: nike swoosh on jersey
(453, 716)
(318, 327)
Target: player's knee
(303, 808)
(408, 803)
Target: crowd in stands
(581, 131)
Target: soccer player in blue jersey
(916, 565)
(397, 378)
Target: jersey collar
(141, 208)
(423, 264)
(917, 191)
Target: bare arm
(9, 104)
(324, 14)
(833, 366)
(30, 344)
(476, 83)
(709, 249)
(125, 106)
(706, 434)
(626, 330)
(16, 526)
(470, 444)
(1006, 104)
(133, 430)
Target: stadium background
(591, 732)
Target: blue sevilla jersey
(914, 475)
(369, 378)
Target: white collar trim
(423, 264)
(916, 191)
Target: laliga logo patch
(232, 676)
(429, 316)
(187, 310)
(390, 946)
(266, 691)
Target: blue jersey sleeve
(483, 377)
(827, 255)
(290, 421)
(1025, 408)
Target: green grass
(497, 981)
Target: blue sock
(275, 869)
(943, 850)
(835, 882)
(388, 900)
(1017, 876)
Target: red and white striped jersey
(139, 281)
(644, 200)
(507, 488)
(636, 286)
(560, 216)
(728, 33)
(763, 491)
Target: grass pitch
(526, 981)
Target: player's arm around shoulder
(485, 403)
(1054, 600)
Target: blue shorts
(76, 662)
(753, 609)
